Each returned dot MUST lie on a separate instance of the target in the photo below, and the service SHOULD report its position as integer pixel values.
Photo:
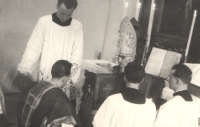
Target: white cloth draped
(178, 113)
(116, 112)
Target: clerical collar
(133, 96)
(57, 20)
(184, 94)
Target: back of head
(68, 3)
(134, 72)
(182, 72)
(61, 68)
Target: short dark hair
(68, 3)
(61, 68)
(182, 72)
(134, 72)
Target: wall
(18, 18)
(93, 15)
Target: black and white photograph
(99, 63)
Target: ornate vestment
(46, 105)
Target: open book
(161, 61)
(195, 68)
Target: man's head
(65, 8)
(124, 60)
(134, 73)
(129, 34)
(180, 77)
(60, 72)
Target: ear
(125, 78)
(142, 80)
(65, 79)
(133, 58)
(178, 81)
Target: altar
(102, 82)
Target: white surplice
(51, 42)
(116, 112)
(178, 113)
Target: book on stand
(161, 61)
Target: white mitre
(128, 39)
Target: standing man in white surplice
(55, 37)
(181, 110)
(129, 108)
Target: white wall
(93, 15)
(17, 20)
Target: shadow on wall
(18, 19)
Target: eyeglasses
(121, 56)
(168, 78)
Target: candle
(190, 35)
(137, 12)
(124, 5)
(124, 9)
(150, 23)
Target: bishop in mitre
(129, 34)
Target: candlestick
(190, 35)
(144, 57)
(150, 23)
(137, 11)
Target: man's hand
(188, 6)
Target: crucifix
(108, 88)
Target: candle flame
(139, 4)
(126, 4)
(154, 6)
(195, 12)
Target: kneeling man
(129, 108)
(44, 103)
(181, 110)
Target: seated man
(180, 111)
(44, 103)
(129, 108)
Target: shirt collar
(133, 96)
(184, 94)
